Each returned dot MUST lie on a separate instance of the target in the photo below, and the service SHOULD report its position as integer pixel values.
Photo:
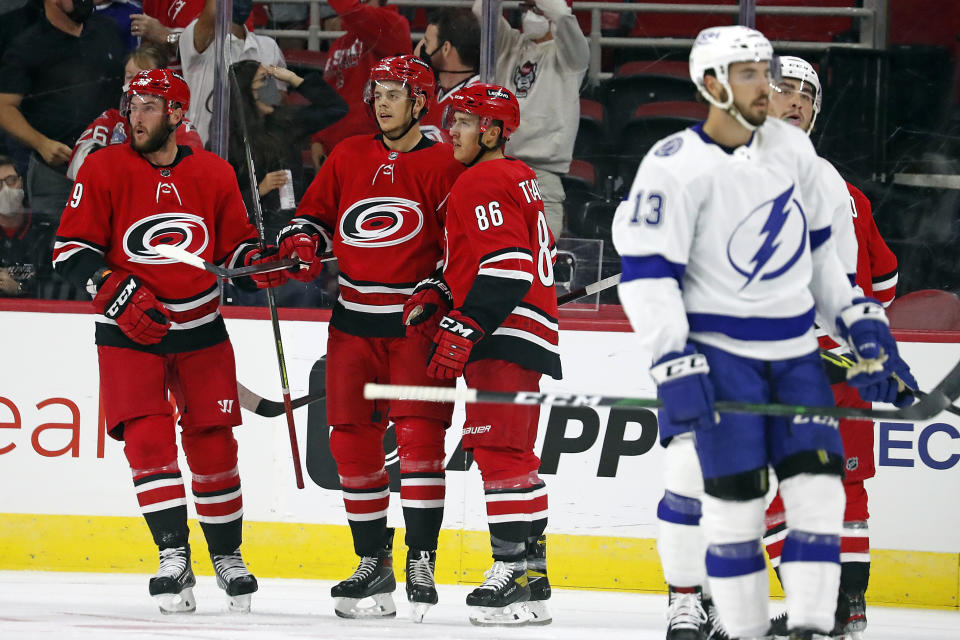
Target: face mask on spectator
(269, 94)
(81, 10)
(535, 26)
(11, 200)
(241, 10)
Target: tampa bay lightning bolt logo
(380, 222)
(770, 240)
(183, 230)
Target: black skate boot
(372, 579)
(172, 587)
(421, 588)
(501, 601)
(234, 578)
(851, 619)
(539, 583)
(686, 617)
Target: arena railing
(872, 17)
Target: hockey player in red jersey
(379, 204)
(797, 99)
(158, 327)
(110, 127)
(500, 334)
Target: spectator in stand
(277, 133)
(199, 62)
(451, 46)
(544, 66)
(15, 17)
(163, 21)
(120, 12)
(25, 246)
(55, 78)
(111, 126)
(374, 31)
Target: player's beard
(155, 140)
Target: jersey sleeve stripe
(818, 237)
(513, 255)
(535, 315)
(886, 281)
(502, 252)
(652, 266)
(526, 335)
(506, 273)
(61, 240)
(754, 328)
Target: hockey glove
(685, 389)
(300, 242)
(422, 311)
(453, 342)
(266, 279)
(865, 327)
(123, 298)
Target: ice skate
(372, 579)
(172, 587)
(234, 578)
(851, 619)
(421, 588)
(501, 601)
(539, 583)
(686, 617)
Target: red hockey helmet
(162, 83)
(408, 70)
(487, 101)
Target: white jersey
(731, 247)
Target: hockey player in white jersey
(727, 255)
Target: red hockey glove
(295, 241)
(123, 298)
(422, 310)
(452, 345)
(266, 279)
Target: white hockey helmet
(800, 69)
(716, 48)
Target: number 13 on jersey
(647, 208)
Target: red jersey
(122, 205)
(174, 14)
(431, 124)
(111, 128)
(384, 212)
(372, 33)
(876, 264)
(499, 264)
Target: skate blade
(512, 615)
(541, 614)
(418, 610)
(182, 602)
(382, 607)
(239, 604)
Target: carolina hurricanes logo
(184, 230)
(381, 222)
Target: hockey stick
(271, 301)
(178, 254)
(272, 408)
(929, 406)
(590, 289)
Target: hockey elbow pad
(685, 388)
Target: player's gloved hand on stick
(685, 388)
(266, 279)
(865, 327)
(123, 298)
(422, 311)
(301, 242)
(453, 342)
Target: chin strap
(483, 150)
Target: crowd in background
(64, 65)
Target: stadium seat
(302, 60)
(927, 309)
(597, 223)
(579, 186)
(592, 132)
(639, 83)
(650, 123)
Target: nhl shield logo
(165, 173)
(393, 155)
(853, 463)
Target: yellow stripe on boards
(323, 551)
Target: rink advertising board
(67, 501)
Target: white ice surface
(69, 606)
